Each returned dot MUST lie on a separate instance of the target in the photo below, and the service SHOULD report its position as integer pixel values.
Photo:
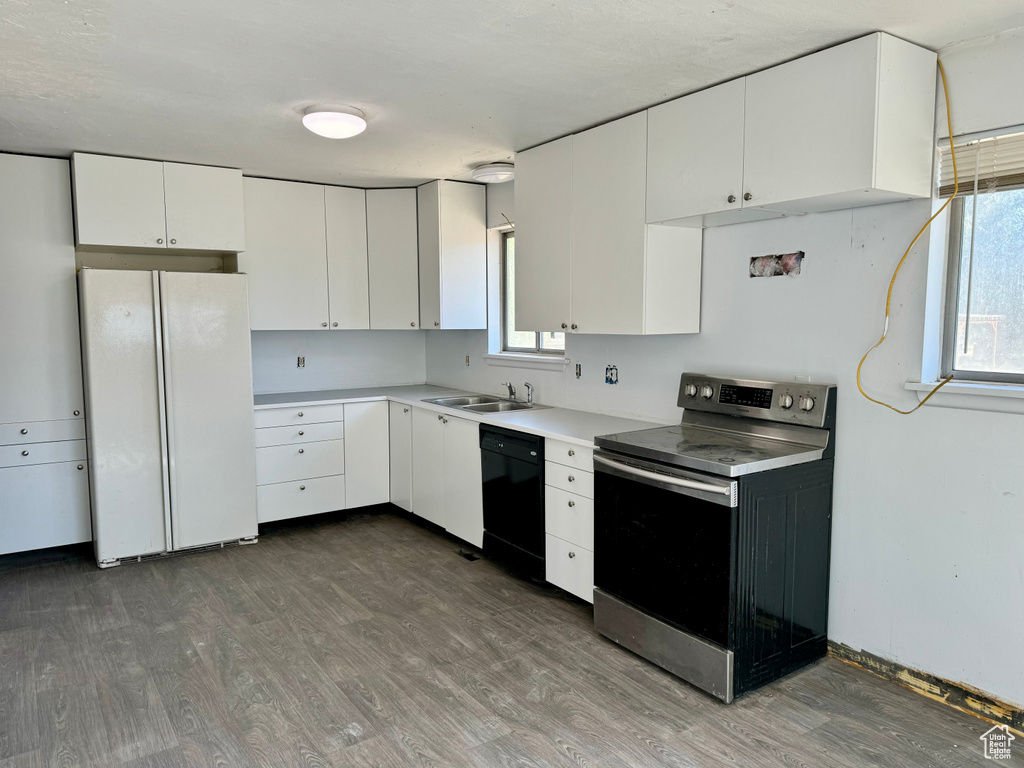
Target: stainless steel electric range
(712, 536)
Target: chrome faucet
(529, 392)
(511, 389)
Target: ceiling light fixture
(334, 123)
(494, 173)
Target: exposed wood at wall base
(956, 695)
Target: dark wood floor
(370, 642)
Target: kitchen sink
(459, 402)
(498, 406)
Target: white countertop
(573, 426)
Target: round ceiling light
(334, 123)
(494, 173)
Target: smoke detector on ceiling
(494, 173)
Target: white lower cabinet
(41, 505)
(298, 498)
(447, 485)
(279, 463)
(569, 517)
(400, 427)
(366, 454)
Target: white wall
(336, 359)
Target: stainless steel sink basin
(496, 407)
(459, 402)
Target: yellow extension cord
(888, 298)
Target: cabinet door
(347, 272)
(543, 199)
(44, 505)
(204, 207)
(428, 466)
(40, 354)
(463, 480)
(609, 187)
(809, 125)
(401, 455)
(366, 454)
(393, 258)
(428, 218)
(286, 255)
(119, 202)
(695, 154)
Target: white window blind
(983, 164)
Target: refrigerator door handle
(166, 404)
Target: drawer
(42, 431)
(569, 516)
(298, 414)
(300, 433)
(570, 567)
(41, 453)
(569, 479)
(569, 454)
(281, 463)
(299, 498)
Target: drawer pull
(80, 466)
(302, 450)
(405, 410)
(302, 487)
(572, 555)
(572, 503)
(300, 414)
(572, 479)
(24, 453)
(572, 452)
(301, 433)
(24, 431)
(78, 413)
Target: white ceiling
(446, 85)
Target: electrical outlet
(611, 374)
(579, 370)
(467, 361)
(301, 362)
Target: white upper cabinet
(543, 205)
(393, 258)
(204, 207)
(452, 255)
(348, 279)
(126, 203)
(286, 255)
(849, 126)
(852, 125)
(119, 202)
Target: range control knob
(691, 390)
(786, 402)
(706, 392)
(806, 403)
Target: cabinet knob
(24, 453)
(572, 503)
(445, 420)
(302, 487)
(747, 196)
(300, 414)
(78, 413)
(572, 479)
(405, 410)
(24, 431)
(301, 433)
(159, 241)
(334, 324)
(565, 325)
(412, 325)
(173, 241)
(302, 450)
(731, 199)
(574, 326)
(324, 324)
(572, 555)
(572, 452)
(437, 323)
(81, 467)
(439, 417)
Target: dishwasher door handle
(727, 490)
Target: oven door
(665, 542)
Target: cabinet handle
(412, 325)
(24, 431)
(301, 433)
(24, 453)
(572, 503)
(747, 196)
(572, 555)
(302, 487)
(572, 479)
(731, 199)
(302, 450)
(159, 241)
(80, 466)
(173, 241)
(572, 452)
(78, 413)
(574, 326)
(324, 324)
(334, 324)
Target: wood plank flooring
(368, 641)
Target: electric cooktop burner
(733, 427)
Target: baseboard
(956, 695)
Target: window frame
(952, 297)
(506, 348)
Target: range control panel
(791, 402)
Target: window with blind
(984, 337)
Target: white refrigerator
(169, 411)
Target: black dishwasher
(513, 490)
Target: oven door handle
(694, 485)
